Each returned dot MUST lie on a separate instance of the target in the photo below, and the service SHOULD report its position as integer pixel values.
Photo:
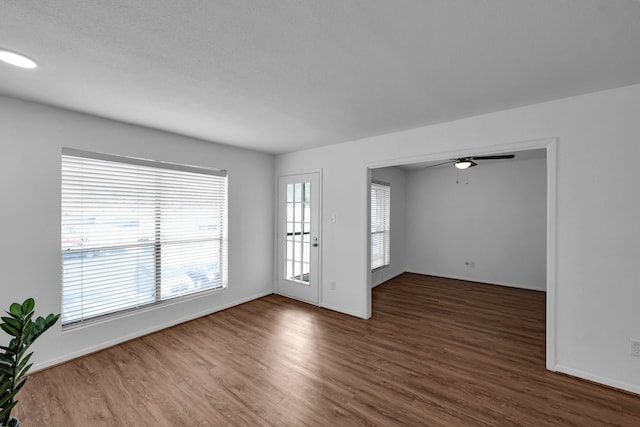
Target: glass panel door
(298, 237)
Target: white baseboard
(297, 299)
(386, 279)
(101, 346)
(633, 388)
(343, 311)
(479, 280)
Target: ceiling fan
(469, 162)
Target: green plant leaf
(10, 329)
(27, 318)
(27, 306)
(14, 361)
(13, 346)
(5, 384)
(6, 366)
(27, 331)
(6, 410)
(47, 323)
(23, 362)
(19, 386)
(15, 309)
(8, 402)
(39, 325)
(13, 322)
(14, 316)
(5, 397)
(21, 353)
(41, 321)
(23, 373)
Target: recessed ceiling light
(16, 59)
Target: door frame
(278, 226)
(551, 147)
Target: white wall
(31, 137)
(494, 219)
(597, 252)
(396, 178)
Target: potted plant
(14, 360)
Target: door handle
(315, 242)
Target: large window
(380, 224)
(137, 233)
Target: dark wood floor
(436, 352)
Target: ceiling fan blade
(439, 164)
(503, 156)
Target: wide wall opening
(489, 223)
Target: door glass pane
(297, 193)
(307, 192)
(289, 265)
(306, 270)
(289, 193)
(297, 212)
(306, 252)
(298, 232)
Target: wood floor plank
(436, 352)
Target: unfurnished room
(320, 213)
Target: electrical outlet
(634, 349)
(332, 285)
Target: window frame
(386, 225)
(158, 242)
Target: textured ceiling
(285, 75)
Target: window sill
(136, 311)
(373, 270)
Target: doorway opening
(460, 249)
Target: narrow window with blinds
(380, 224)
(137, 233)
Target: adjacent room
(485, 224)
(320, 213)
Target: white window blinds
(380, 224)
(137, 233)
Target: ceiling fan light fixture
(16, 59)
(464, 163)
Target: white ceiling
(285, 75)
